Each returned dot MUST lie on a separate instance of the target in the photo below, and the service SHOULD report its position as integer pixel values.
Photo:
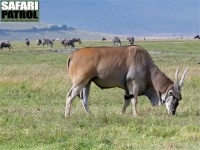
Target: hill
(21, 31)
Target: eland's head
(174, 95)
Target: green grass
(33, 88)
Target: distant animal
(5, 44)
(39, 42)
(131, 40)
(66, 43)
(116, 40)
(103, 39)
(130, 68)
(77, 40)
(27, 42)
(197, 37)
(62, 41)
(71, 42)
(47, 42)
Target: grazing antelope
(71, 42)
(116, 40)
(130, 68)
(197, 37)
(131, 40)
(39, 42)
(47, 42)
(5, 44)
(27, 42)
(103, 39)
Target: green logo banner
(19, 11)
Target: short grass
(33, 88)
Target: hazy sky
(124, 16)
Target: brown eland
(130, 68)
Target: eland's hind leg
(84, 97)
(134, 98)
(74, 91)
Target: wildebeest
(131, 40)
(116, 40)
(130, 68)
(77, 40)
(5, 44)
(103, 39)
(39, 42)
(47, 42)
(27, 42)
(197, 37)
(70, 42)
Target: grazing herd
(68, 42)
(65, 42)
(117, 40)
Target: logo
(19, 10)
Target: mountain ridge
(35, 31)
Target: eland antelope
(130, 68)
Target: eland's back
(107, 66)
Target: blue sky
(124, 16)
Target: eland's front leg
(127, 101)
(134, 105)
(133, 94)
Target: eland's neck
(160, 81)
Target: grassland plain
(33, 88)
